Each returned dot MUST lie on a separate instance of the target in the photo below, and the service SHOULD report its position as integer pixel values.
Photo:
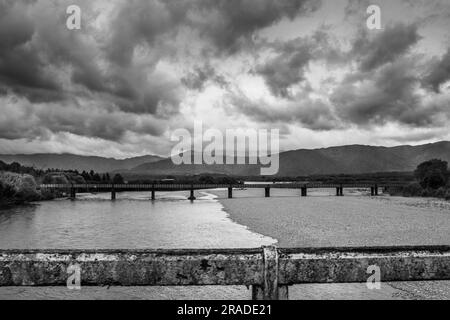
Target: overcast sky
(137, 70)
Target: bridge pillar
(376, 190)
(267, 189)
(341, 191)
(113, 193)
(304, 191)
(338, 191)
(230, 193)
(372, 191)
(73, 193)
(153, 193)
(191, 196)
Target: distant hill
(351, 159)
(76, 162)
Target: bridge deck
(149, 187)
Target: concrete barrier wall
(269, 270)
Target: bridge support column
(267, 192)
(191, 196)
(304, 191)
(376, 190)
(113, 194)
(341, 191)
(338, 191)
(372, 191)
(153, 193)
(230, 193)
(73, 193)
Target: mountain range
(68, 161)
(350, 159)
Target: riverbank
(354, 220)
(341, 221)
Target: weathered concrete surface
(269, 270)
(346, 265)
(132, 267)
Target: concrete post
(341, 191)
(338, 191)
(267, 189)
(230, 193)
(372, 191)
(153, 193)
(270, 289)
(376, 189)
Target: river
(130, 222)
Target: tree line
(432, 180)
(88, 176)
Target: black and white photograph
(233, 151)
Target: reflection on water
(132, 221)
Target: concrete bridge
(269, 270)
(73, 189)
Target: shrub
(6, 191)
(447, 195)
(427, 192)
(118, 179)
(55, 178)
(432, 174)
(440, 193)
(412, 190)
(17, 188)
(47, 194)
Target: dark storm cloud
(143, 21)
(313, 114)
(52, 67)
(287, 68)
(226, 26)
(440, 72)
(30, 47)
(388, 95)
(198, 78)
(21, 119)
(131, 71)
(292, 59)
(389, 44)
(383, 88)
(21, 68)
(230, 23)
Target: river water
(132, 221)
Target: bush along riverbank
(18, 188)
(432, 180)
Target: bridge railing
(214, 186)
(269, 270)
